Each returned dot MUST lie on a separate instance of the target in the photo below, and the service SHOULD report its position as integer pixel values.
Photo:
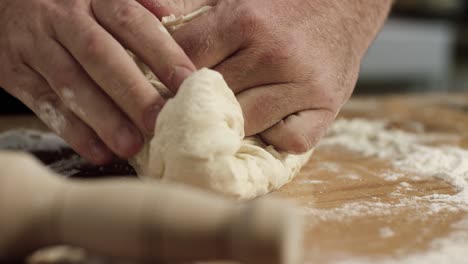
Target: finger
(245, 62)
(138, 30)
(267, 105)
(299, 132)
(35, 93)
(111, 68)
(84, 98)
(253, 67)
(209, 39)
(162, 8)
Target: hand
(292, 63)
(64, 60)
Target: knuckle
(251, 19)
(127, 91)
(249, 15)
(64, 81)
(93, 46)
(162, 8)
(128, 14)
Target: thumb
(298, 133)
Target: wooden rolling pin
(142, 222)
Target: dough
(199, 140)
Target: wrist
(354, 23)
(364, 20)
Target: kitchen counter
(362, 208)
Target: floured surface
(389, 192)
(360, 208)
(25, 133)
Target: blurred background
(423, 47)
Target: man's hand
(292, 63)
(66, 61)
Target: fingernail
(151, 116)
(128, 140)
(180, 74)
(99, 152)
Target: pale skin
(291, 63)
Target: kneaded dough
(199, 140)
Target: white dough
(199, 140)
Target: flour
(409, 152)
(311, 182)
(365, 209)
(405, 184)
(370, 138)
(386, 232)
(427, 156)
(70, 98)
(350, 176)
(451, 249)
(392, 175)
(329, 166)
(446, 162)
(52, 117)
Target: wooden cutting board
(354, 213)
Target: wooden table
(351, 210)
(386, 227)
